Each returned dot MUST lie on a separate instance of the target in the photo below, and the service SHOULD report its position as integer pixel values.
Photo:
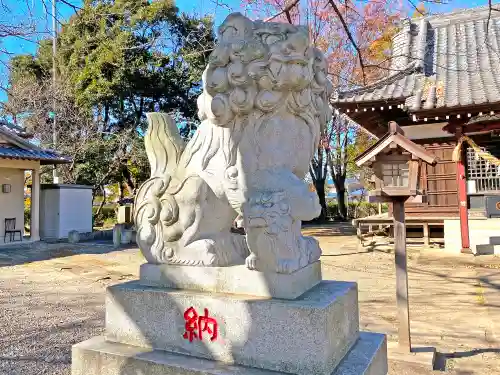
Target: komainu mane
(264, 102)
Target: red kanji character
(191, 317)
(209, 325)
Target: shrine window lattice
(485, 174)
(395, 174)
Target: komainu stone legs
(272, 217)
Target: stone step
(308, 335)
(367, 357)
(100, 357)
(495, 240)
(487, 249)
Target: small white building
(18, 155)
(65, 208)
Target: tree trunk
(129, 182)
(98, 212)
(341, 194)
(121, 193)
(319, 185)
(342, 204)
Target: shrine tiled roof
(442, 61)
(13, 128)
(399, 85)
(14, 152)
(15, 147)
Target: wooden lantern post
(401, 274)
(396, 164)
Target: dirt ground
(454, 300)
(52, 296)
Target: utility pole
(54, 86)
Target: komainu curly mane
(264, 101)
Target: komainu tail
(154, 206)
(164, 144)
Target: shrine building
(443, 90)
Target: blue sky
(16, 45)
(39, 11)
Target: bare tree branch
(285, 11)
(351, 38)
(416, 7)
(490, 10)
(219, 3)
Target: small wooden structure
(396, 162)
(396, 166)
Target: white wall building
(17, 156)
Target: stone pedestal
(235, 280)
(208, 328)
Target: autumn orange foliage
(359, 29)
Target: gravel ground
(53, 297)
(49, 305)
(454, 301)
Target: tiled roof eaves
(461, 69)
(17, 140)
(23, 149)
(383, 83)
(44, 156)
(465, 14)
(474, 109)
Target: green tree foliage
(116, 60)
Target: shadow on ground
(442, 358)
(329, 229)
(39, 251)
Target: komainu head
(262, 67)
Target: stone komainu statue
(264, 102)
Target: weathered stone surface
(117, 234)
(309, 335)
(235, 279)
(98, 357)
(265, 99)
(126, 236)
(367, 357)
(73, 236)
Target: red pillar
(462, 202)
